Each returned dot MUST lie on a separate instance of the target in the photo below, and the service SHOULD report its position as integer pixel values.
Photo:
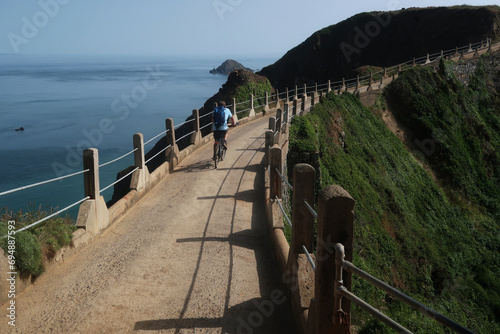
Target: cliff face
(382, 39)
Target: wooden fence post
(335, 225)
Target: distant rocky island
(228, 66)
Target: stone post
(335, 225)
(272, 124)
(252, 110)
(329, 89)
(235, 115)
(172, 153)
(276, 164)
(295, 108)
(93, 214)
(287, 96)
(91, 178)
(296, 94)
(278, 102)
(303, 105)
(266, 106)
(313, 99)
(269, 144)
(140, 177)
(428, 60)
(196, 136)
(305, 91)
(414, 62)
(304, 178)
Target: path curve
(193, 256)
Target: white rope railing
(157, 154)
(43, 182)
(52, 215)
(159, 135)
(117, 159)
(119, 180)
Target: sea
(65, 104)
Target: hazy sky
(183, 27)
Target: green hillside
(427, 225)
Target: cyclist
(221, 131)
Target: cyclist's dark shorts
(219, 134)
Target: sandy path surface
(193, 256)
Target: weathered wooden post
(276, 164)
(335, 225)
(140, 177)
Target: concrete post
(303, 105)
(329, 89)
(295, 110)
(172, 153)
(470, 48)
(276, 164)
(305, 91)
(272, 124)
(286, 115)
(287, 96)
(235, 115)
(252, 110)
(335, 225)
(196, 136)
(279, 119)
(266, 105)
(93, 214)
(278, 102)
(296, 94)
(385, 72)
(91, 178)
(304, 178)
(316, 88)
(313, 98)
(269, 144)
(414, 62)
(344, 85)
(428, 60)
(140, 177)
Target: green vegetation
(37, 244)
(258, 89)
(437, 241)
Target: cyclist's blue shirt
(227, 116)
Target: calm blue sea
(68, 103)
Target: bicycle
(219, 149)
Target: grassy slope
(407, 230)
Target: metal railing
(342, 292)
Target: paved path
(193, 256)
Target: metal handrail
(284, 213)
(283, 179)
(309, 258)
(348, 266)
